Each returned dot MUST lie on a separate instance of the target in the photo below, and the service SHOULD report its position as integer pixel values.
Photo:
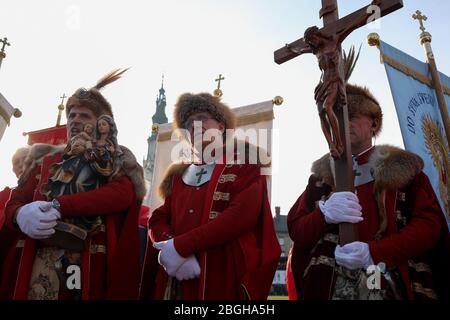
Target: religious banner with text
(419, 117)
(53, 135)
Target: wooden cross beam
(386, 7)
(330, 94)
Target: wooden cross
(200, 174)
(418, 16)
(5, 43)
(334, 32)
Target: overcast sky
(58, 46)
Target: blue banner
(419, 117)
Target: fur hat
(92, 98)
(361, 101)
(189, 104)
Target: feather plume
(109, 78)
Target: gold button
(191, 210)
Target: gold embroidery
(319, 260)
(20, 244)
(213, 215)
(417, 287)
(227, 178)
(97, 248)
(419, 267)
(225, 196)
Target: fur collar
(165, 187)
(394, 168)
(127, 164)
(38, 151)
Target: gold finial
(5, 43)
(155, 127)
(278, 100)
(373, 39)
(60, 109)
(418, 16)
(424, 36)
(17, 113)
(218, 92)
(61, 106)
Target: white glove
(188, 270)
(37, 219)
(341, 207)
(168, 256)
(354, 255)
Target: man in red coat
(214, 231)
(399, 220)
(7, 236)
(107, 264)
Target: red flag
(53, 135)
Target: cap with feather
(92, 98)
(359, 99)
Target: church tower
(158, 118)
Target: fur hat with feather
(92, 98)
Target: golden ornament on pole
(278, 100)
(425, 40)
(373, 39)
(218, 92)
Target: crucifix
(200, 174)
(330, 94)
(218, 92)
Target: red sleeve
(112, 198)
(238, 218)
(305, 222)
(419, 235)
(20, 196)
(159, 222)
(4, 197)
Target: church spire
(160, 114)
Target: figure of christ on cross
(330, 93)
